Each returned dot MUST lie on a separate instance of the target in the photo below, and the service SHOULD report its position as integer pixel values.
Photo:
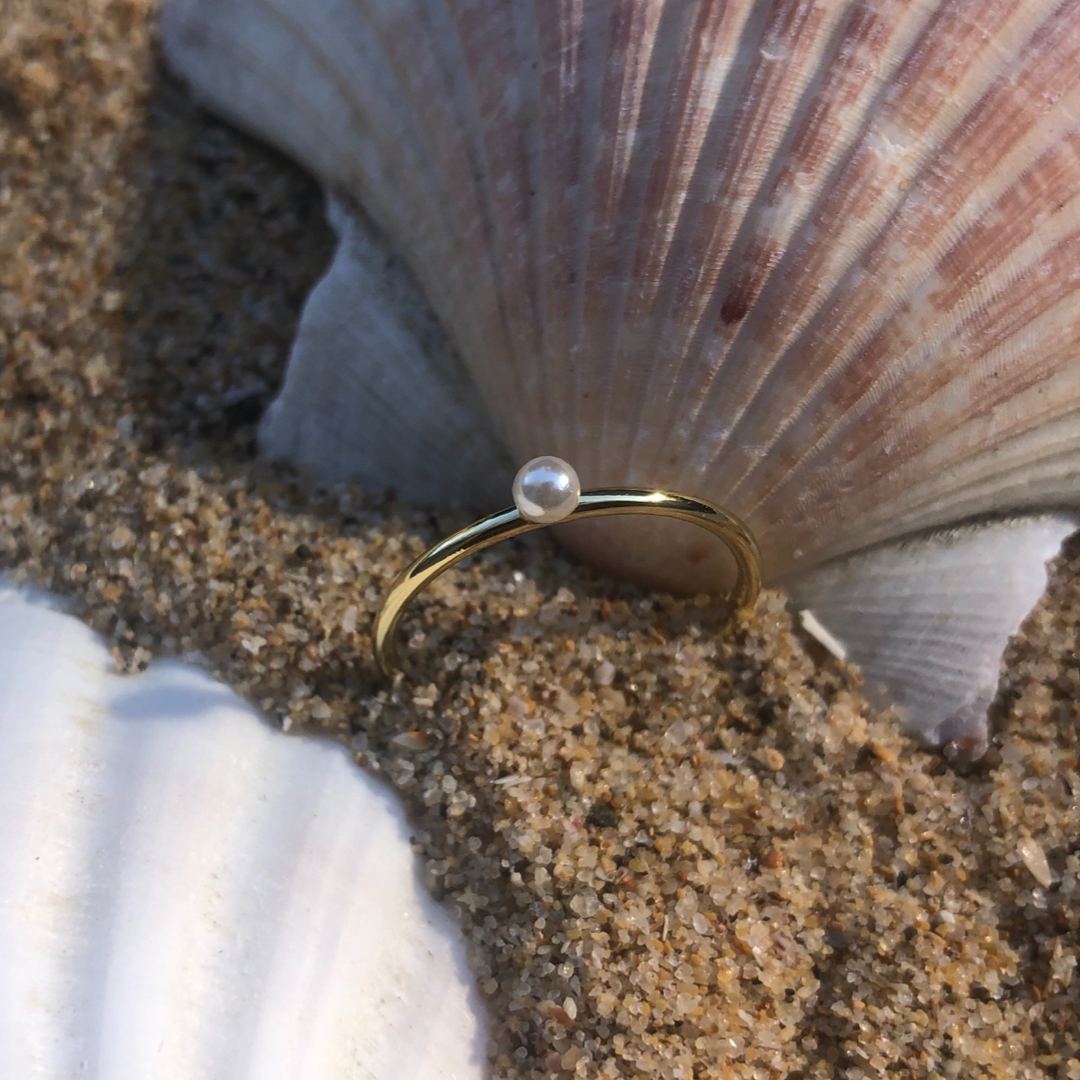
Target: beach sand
(675, 849)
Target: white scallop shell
(187, 895)
(929, 618)
(818, 262)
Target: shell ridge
(410, 136)
(628, 97)
(400, 181)
(702, 218)
(561, 49)
(102, 908)
(659, 256)
(527, 39)
(674, 88)
(711, 315)
(449, 57)
(592, 96)
(590, 234)
(1009, 379)
(271, 1046)
(388, 32)
(173, 1006)
(336, 950)
(409, 1052)
(37, 792)
(493, 41)
(825, 282)
(510, 388)
(790, 351)
(291, 1040)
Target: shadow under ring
(600, 502)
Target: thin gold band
(597, 503)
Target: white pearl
(546, 490)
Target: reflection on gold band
(599, 503)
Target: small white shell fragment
(511, 781)
(605, 673)
(186, 894)
(812, 625)
(1035, 860)
(770, 758)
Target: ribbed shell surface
(817, 261)
(186, 894)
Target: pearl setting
(546, 490)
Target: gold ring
(554, 494)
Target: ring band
(600, 502)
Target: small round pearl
(546, 490)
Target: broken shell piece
(373, 392)
(812, 625)
(1035, 860)
(927, 619)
